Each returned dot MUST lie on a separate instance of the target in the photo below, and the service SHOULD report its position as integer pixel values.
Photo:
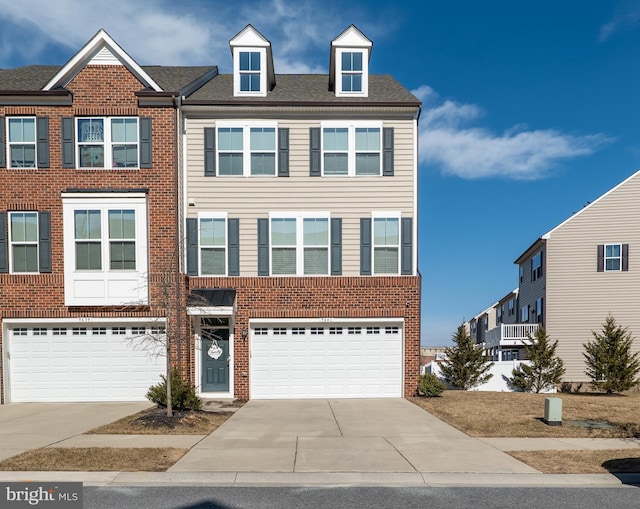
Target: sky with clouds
(528, 107)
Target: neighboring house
(87, 222)
(287, 202)
(575, 275)
(300, 209)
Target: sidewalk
(322, 442)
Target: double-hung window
(248, 150)
(351, 67)
(536, 267)
(213, 246)
(386, 245)
(612, 257)
(23, 228)
(299, 244)
(354, 149)
(249, 71)
(105, 254)
(21, 142)
(107, 142)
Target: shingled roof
(33, 78)
(304, 88)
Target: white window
(512, 306)
(23, 235)
(613, 257)
(213, 245)
(386, 244)
(105, 255)
(352, 68)
(247, 149)
(538, 310)
(524, 314)
(107, 142)
(351, 149)
(21, 142)
(536, 267)
(250, 71)
(299, 244)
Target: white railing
(510, 334)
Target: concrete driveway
(25, 426)
(342, 435)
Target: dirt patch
(516, 414)
(615, 461)
(154, 421)
(94, 459)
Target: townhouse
(575, 275)
(279, 212)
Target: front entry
(214, 336)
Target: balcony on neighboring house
(510, 335)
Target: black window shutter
(42, 134)
(44, 242)
(365, 246)
(283, 152)
(233, 245)
(336, 246)
(192, 246)
(68, 143)
(209, 151)
(625, 257)
(263, 246)
(387, 151)
(314, 152)
(600, 257)
(4, 244)
(3, 162)
(406, 260)
(145, 142)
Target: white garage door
(78, 363)
(326, 361)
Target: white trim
(258, 321)
(246, 127)
(198, 356)
(88, 51)
(364, 92)
(236, 71)
(214, 215)
(12, 243)
(210, 311)
(10, 143)
(351, 151)
(378, 214)
(414, 269)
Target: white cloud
(625, 17)
(446, 141)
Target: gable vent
(104, 57)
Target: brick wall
(323, 297)
(97, 91)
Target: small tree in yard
(466, 365)
(545, 369)
(610, 364)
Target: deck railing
(508, 333)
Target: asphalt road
(201, 497)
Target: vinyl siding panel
(531, 290)
(349, 198)
(578, 297)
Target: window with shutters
(536, 267)
(300, 244)
(23, 237)
(107, 142)
(386, 245)
(612, 257)
(212, 233)
(351, 149)
(106, 248)
(21, 142)
(247, 149)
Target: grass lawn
(516, 414)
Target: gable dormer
(253, 73)
(349, 64)
(100, 50)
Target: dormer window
(351, 71)
(349, 64)
(249, 71)
(253, 73)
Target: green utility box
(553, 411)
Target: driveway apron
(342, 435)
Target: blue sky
(530, 108)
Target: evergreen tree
(610, 364)
(466, 365)
(544, 370)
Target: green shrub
(429, 386)
(183, 395)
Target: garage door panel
(340, 360)
(49, 364)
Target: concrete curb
(326, 479)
